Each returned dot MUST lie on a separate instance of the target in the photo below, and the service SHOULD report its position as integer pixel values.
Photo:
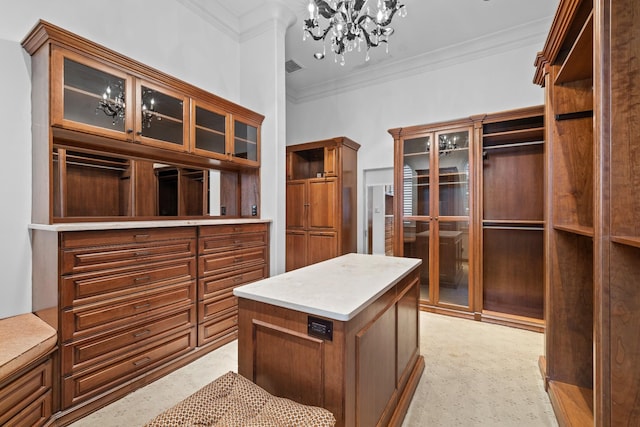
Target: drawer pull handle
(142, 253)
(141, 333)
(142, 361)
(139, 306)
(237, 259)
(237, 279)
(141, 279)
(141, 236)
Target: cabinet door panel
(297, 204)
(296, 250)
(322, 246)
(323, 202)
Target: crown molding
(491, 44)
(222, 19)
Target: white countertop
(338, 288)
(118, 225)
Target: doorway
(377, 235)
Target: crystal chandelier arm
(324, 9)
(308, 28)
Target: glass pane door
(161, 117)
(245, 143)
(453, 218)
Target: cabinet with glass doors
(433, 203)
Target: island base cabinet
(365, 374)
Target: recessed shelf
(573, 405)
(627, 240)
(514, 137)
(575, 229)
(579, 62)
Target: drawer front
(227, 242)
(34, 415)
(216, 306)
(83, 354)
(218, 328)
(94, 287)
(220, 263)
(86, 384)
(19, 393)
(215, 285)
(94, 318)
(84, 239)
(216, 230)
(101, 258)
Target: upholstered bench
(232, 400)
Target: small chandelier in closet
(349, 26)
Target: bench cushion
(232, 400)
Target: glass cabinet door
(435, 214)
(245, 143)
(209, 133)
(89, 96)
(161, 117)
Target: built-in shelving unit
(590, 71)
(513, 217)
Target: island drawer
(18, 398)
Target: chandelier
(446, 144)
(349, 26)
(112, 107)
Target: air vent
(292, 66)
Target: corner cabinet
(321, 201)
(468, 195)
(589, 70)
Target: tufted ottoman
(232, 400)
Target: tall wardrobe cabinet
(321, 201)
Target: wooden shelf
(579, 62)
(524, 222)
(627, 240)
(575, 229)
(572, 405)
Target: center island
(342, 334)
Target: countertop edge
(121, 225)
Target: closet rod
(576, 115)
(517, 144)
(503, 227)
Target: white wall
(501, 81)
(160, 33)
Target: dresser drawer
(85, 239)
(93, 287)
(86, 384)
(227, 242)
(211, 286)
(219, 263)
(106, 257)
(90, 319)
(218, 328)
(217, 230)
(20, 393)
(216, 306)
(35, 414)
(82, 354)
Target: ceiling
(433, 31)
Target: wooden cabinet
(131, 305)
(468, 197)
(230, 256)
(155, 145)
(321, 201)
(127, 305)
(589, 70)
(433, 201)
(513, 217)
(26, 397)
